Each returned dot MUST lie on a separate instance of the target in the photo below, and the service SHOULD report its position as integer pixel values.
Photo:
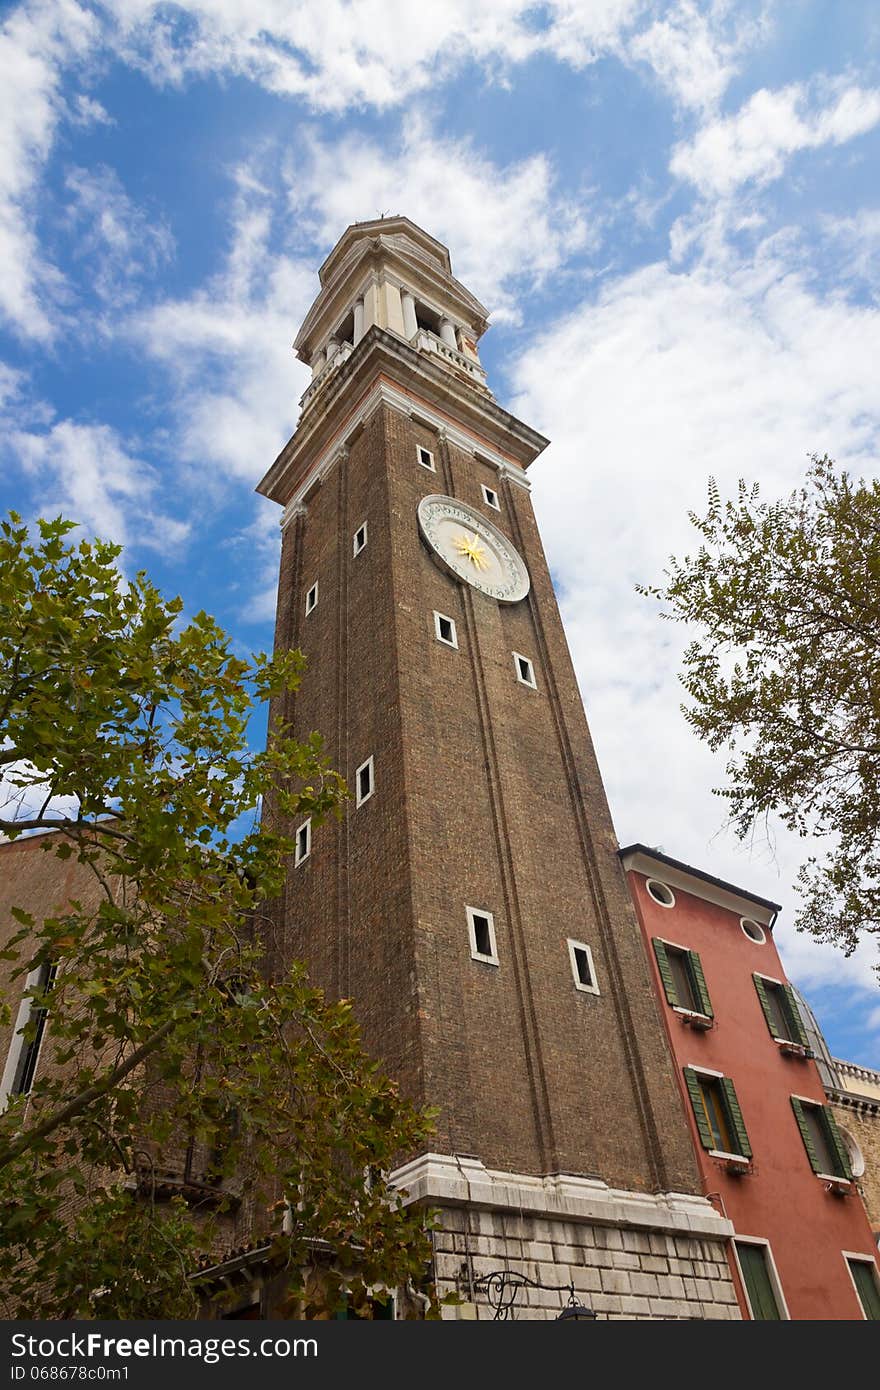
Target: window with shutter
(780, 1009)
(684, 982)
(864, 1276)
(717, 1112)
(822, 1139)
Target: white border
(754, 940)
(472, 912)
(661, 884)
(854, 1163)
(297, 857)
(16, 1043)
(864, 1260)
(517, 658)
(355, 548)
(422, 449)
(488, 494)
(773, 1272)
(582, 946)
(359, 800)
(444, 617)
(311, 606)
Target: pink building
(771, 1156)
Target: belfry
(471, 902)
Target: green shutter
(836, 1144)
(799, 1032)
(805, 1134)
(865, 1280)
(665, 972)
(704, 1003)
(765, 1005)
(693, 1085)
(735, 1117)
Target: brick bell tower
(471, 901)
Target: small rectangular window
(720, 1123)
(822, 1139)
(582, 969)
(312, 599)
(444, 630)
(426, 458)
(364, 782)
(863, 1273)
(481, 927)
(759, 1279)
(360, 539)
(525, 671)
(490, 497)
(303, 842)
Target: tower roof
(397, 227)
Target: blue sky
(671, 210)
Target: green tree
(785, 674)
(173, 1027)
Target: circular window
(856, 1157)
(660, 893)
(753, 930)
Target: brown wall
(488, 794)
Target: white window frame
(517, 658)
(864, 1260)
(660, 884)
(355, 548)
(772, 1271)
(445, 618)
(488, 494)
(17, 1043)
(754, 939)
(471, 913)
(367, 763)
(301, 857)
(312, 599)
(578, 984)
(431, 465)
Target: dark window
(781, 1011)
(312, 598)
(822, 1139)
(445, 630)
(582, 966)
(426, 459)
(364, 781)
(360, 539)
(23, 1079)
(865, 1279)
(756, 1277)
(482, 934)
(684, 983)
(714, 1111)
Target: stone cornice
(460, 1181)
(410, 380)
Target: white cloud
(227, 348)
(123, 242)
(354, 52)
(754, 144)
(85, 473)
(691, 52)
(36, 41)
(509, 227)
(662, 381)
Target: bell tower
(471, 902)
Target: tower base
(625, 1254)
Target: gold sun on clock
(470, 546)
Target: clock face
(474, 550)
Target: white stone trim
(865, 1260)
(492, 957)
(445, 618)
(355, 548)
(456, 1181)
(383, 393)
(368, 763)
(582, 946)
(488, 494)
(640, 863)
(16, 1043)
(658, 882)
(529, 679)
(755, 923)
(300, 858)
(772, 1271)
